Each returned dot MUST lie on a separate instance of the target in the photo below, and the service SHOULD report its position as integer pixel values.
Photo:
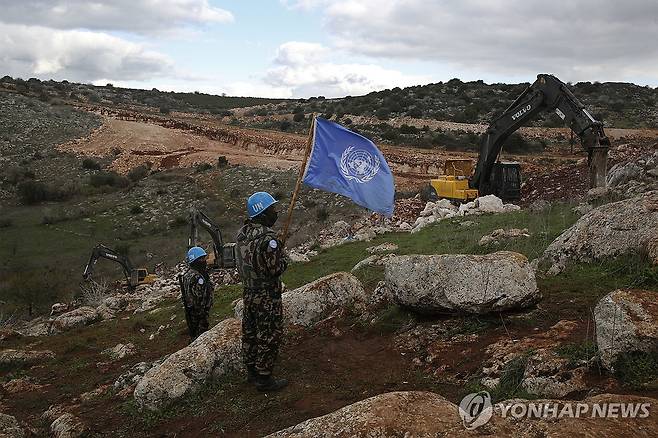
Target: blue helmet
(258, 203)
(195, 253)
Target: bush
(322, 214)
(136, 209)
(138, 173)
(298, 117)
(110, 179)
(202, 167)
(222, 162)
(165, 110)
(285, 125)
(91, 164)
(17, 174)
(32, 192)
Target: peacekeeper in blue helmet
(197, 292)
(261, 262)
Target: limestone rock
(67, 426)
(611, 230)
(211, 355)
(25, 357)
(383, 248)
(120, 351)
(463, 283)
(626, 321)
(81, 316)
(489, 204)
(315, 301)
(497, 236)
(403, 414)
(58, 308)
(9, 427)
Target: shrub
(136, 209)
(138, 173)
(322, 214)
(222, 162)
(33, 192)
(91, 164)
(165, 110)
(17, 174)
(110, 179)
(202, 167)
(298, 117)
(285, 125)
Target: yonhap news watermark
(476, 409)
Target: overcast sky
(303, 48)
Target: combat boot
(267, 383)
(252, 374)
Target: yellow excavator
(134, 277)
(460, 182)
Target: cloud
(304, 70)
(135, 16)
(84, 56)
(576, 39)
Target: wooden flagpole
(309, 143)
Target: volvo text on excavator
(547, 93)
(134, 277)
(223, 255)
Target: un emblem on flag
(359, 165)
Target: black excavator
(134, 277)
(547, 93)
(223, 256)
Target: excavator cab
(506, 180)
(141, 276)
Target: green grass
(638, 370)
(445, 237)
(578, 352)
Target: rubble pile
(635, 176)
(444, 209)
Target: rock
(427, 211)
(212, 355)
(365, 262)
(583, 208)
(315, 301)
(67, 426)
(296, 257)
(17, 386)
(622, 173)
(24, 357)
(7, 334)
(53, 413)
(365, 235)
(611, 230)
(58, 308)
(132, 377)
(539, 205)
(93, 395)
(626, 322)
(116, 303)
(120, 351)
(463, 283)
(341, 229)
(597, 193)
(545, 373)
(380, 297)
(394, 414)
(40, 328)
(105, 312)
(499, 235)
(384, 247)
(79, 317)
(405, 226)
(9, 427)
(489, 204)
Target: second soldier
(261, 262)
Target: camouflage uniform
(197, 294)
(261, 261)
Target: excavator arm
(547, 93)
(223, 253)
(102, 251)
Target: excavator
(223, 255)
(503, 179)
(134, 277)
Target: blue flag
(344, 162)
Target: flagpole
(309, 143)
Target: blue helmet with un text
(258, 203)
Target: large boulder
(425, 414)
(403, 414)
(75, 318)
(315, 301)
(68, 426)
(626, 322)
(611, 230)
(464, 283)
(211, 355)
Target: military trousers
(262, 328)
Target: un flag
(344, 162)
